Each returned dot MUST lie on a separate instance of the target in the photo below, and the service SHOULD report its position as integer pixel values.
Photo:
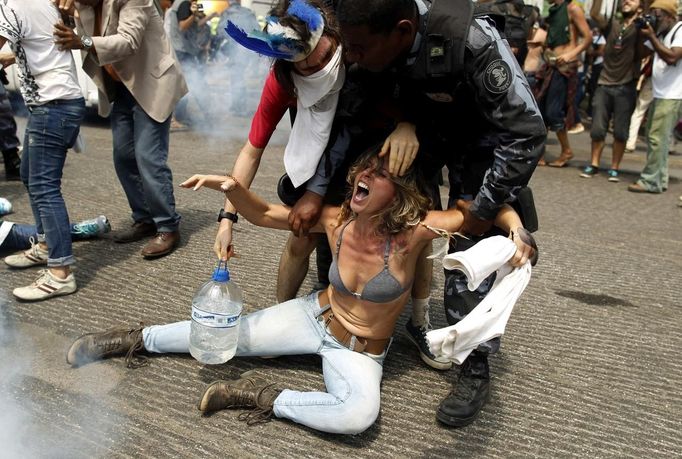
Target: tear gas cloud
(41, 415)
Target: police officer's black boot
(12, 162)
(469, 394)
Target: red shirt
(274, 102)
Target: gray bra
(382, 288)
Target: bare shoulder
(329, 218)
(575, 10)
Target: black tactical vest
(441, 54)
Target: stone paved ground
(589, 366)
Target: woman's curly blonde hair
(409, 206)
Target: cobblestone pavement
(589, 365)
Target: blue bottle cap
(221, 274)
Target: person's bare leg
(293, 266)
(597, 149)
(60, 272)
(617, 155)
(566, 153)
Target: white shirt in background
(46, 73)
(667, 79)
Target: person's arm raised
(438, 222)
(247, 203)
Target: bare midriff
(363, 318)
(361, 261)
(568, 47)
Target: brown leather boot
(246, 392)
(162, 244)
(112, 343)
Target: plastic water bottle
(216, 312)
(5, 206)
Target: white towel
(489, 318)
(5, 228)
(317, 96)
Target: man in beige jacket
(127, 54)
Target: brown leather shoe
(637, 188)
(162, 244)
(136, 232)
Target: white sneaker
(32, 257)
(46, 286)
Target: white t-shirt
(667, 79)
(598, 41)
(46, 73)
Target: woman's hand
(223, 247)
(197, 181)
(526, 247)
(402, 146)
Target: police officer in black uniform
(457, 80)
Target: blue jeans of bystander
(140, 160)
(51, 130)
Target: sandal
(563, 160)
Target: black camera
(200, 8)
(642, 21)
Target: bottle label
(214, 319)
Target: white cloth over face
(317, 96)
(489, 318)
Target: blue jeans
(140, 160)
(353, 379)
(51, 130)
(19, 235)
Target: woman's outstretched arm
(248, 204)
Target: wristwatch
(86, 41)
(229, 215)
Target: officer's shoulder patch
(497, 77)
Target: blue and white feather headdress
(279, 41)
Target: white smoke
(48, 410)
(15, 433)
(227, 83)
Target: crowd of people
(629, 51)
(380, 104)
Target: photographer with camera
(183, 23)
(616, 93)
(664, 34)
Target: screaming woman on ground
(376, 236)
